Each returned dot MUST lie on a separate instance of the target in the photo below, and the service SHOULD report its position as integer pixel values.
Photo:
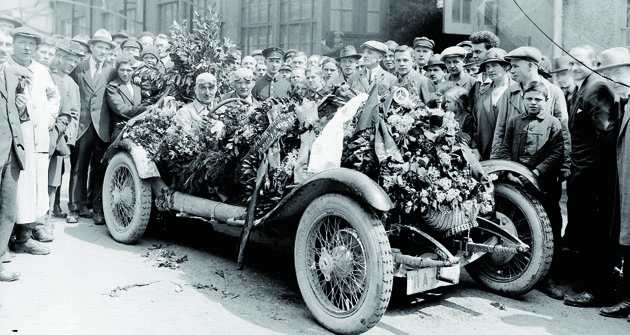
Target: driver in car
(197, 113)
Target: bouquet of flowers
(436, 181)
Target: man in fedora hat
(415, 83)
(435, 70)
(373, 74)
(423, 48)
(348, 61)
(453, 58)
(615, 64)
(591, 186)
(8, 23)
(42, 108)
(562, 77)
(93, 136)
(270, 85)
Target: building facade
(601, 24)
(253, 24)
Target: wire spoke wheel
(126, 199)
(516, 274)
(343, 264)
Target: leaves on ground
(114, 293)
(165, 258)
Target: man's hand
(20, 102)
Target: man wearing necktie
(93, 136)
(373, 74)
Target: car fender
(499, 165)
(339, 180)
(145, 166)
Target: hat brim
(120, 35)
(528, 59)
(35, 37)
(16, 23)
(607, 67)
(94, 40)
(357, 57)
(482, 65)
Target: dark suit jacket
(94, 109)
(416, 84)
(9, 118)
(122, 105)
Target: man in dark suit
(92, 76)
(12, 155)
(123, 97)
(591, 188)
(373, 74)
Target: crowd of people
(563, 119)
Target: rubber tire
(379, 267)
(142, 206)
(542, 248)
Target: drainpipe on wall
(557, 27)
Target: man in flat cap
(453, 58)
(423, 48)
(591, 188)
(270, 85)
(94, 133)
(12, 153)
(524, 62)
(415, 83)
(42, 107)
(372, 74)
(68, 56)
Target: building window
(466, 16)
(167, 13)
(297, 25)
(341, 18)
(108, 21)
(627, 28)
(257, 24)
(461, 11)
(374, 16)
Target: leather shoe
(30, 247)
(84, 212)
(99, 219)
(73, 217)
(552, 290)
(41, 234)
(58, 213)
(9, 276)
(620, 310)
(583, 299)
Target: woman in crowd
(123, 96)
(484, 99)
(456, 101)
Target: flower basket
(450, 221)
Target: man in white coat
(42, 108)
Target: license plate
(422, 280)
